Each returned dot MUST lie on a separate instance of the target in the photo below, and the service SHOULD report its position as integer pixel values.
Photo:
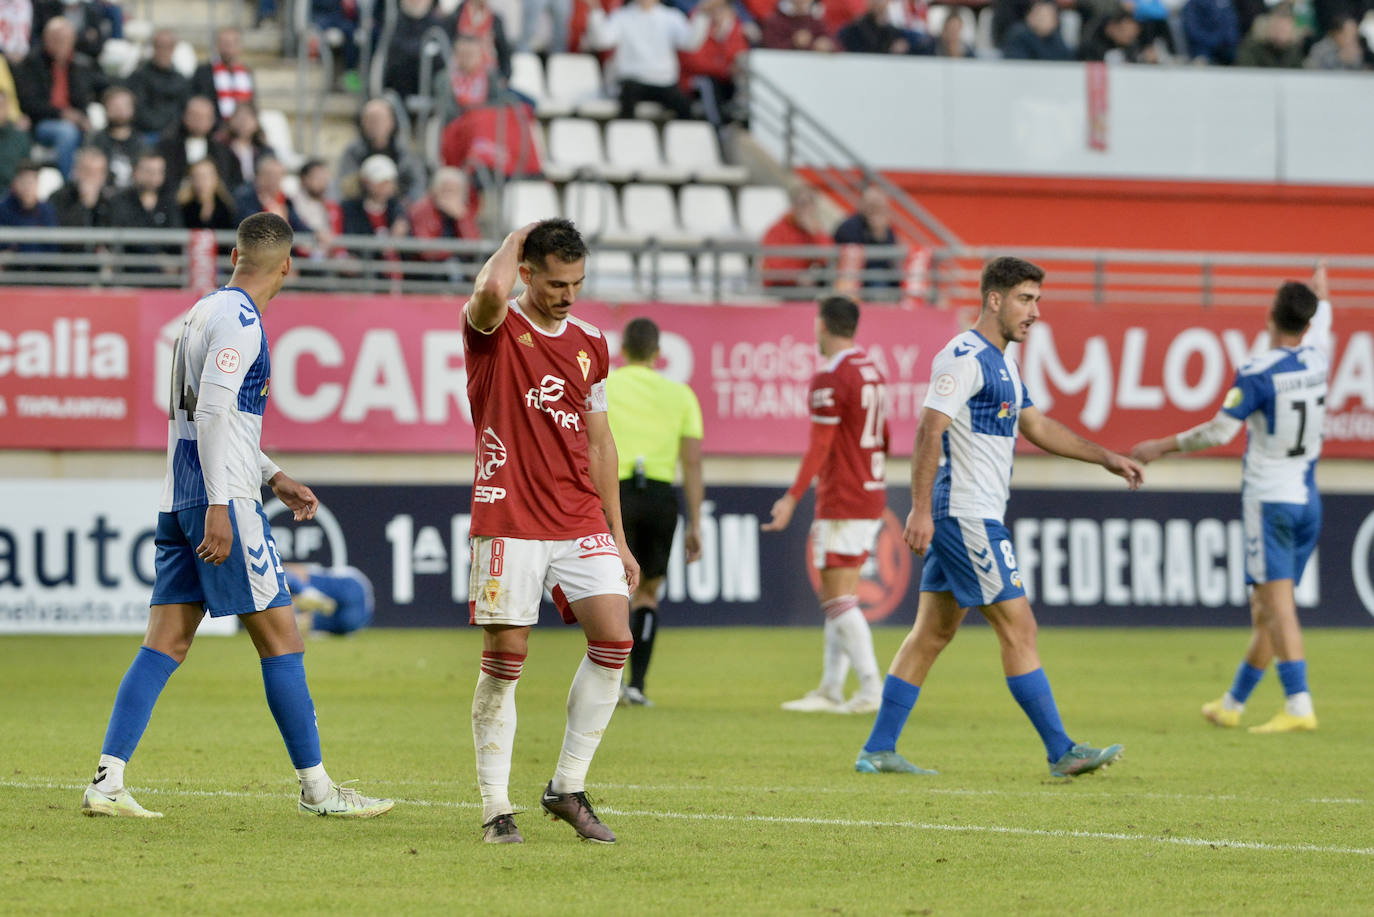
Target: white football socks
(857, 640)
(315, 783)
(835, 665)
(493, 735)
(109, 775)
(1299, 704)
(1230, 703)
(591, 701)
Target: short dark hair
(840, 316)
(557, 237)
(25, 165)
(1294, 306)
(310, 165)
(639, 341)
(150, 154)
(1005, 273)
(262, 233)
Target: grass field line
(1213, 843)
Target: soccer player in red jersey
(848, 449)
(545, 511)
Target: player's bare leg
(281, 651)
(591, 701)
(1277, 615)
(643, 628)
(493, 727)
(1014, 623)
(171, 628)
(1226, 710)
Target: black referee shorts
(650, 517)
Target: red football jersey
(529, 390)
(851, 394)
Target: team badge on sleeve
(228, 360)
(945, 384)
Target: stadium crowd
(140, 162)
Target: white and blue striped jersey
(979, 389)
(1281, 396)
(222, 343)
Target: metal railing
(703, 271)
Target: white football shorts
(843, 542)
(509, 576)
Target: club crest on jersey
(1006, 410)
(265, 386)
(584, 363)
(527, 339)
(492, 592)
(491, 454)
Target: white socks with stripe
(591, 701)
(493, 729)
(846, 629)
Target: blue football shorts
(974, 559)
(250, 579)
(1279, 538)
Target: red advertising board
(1123, 374)
(88, 369)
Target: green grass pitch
(724, 804)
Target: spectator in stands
(82, 202)
(711, 70)
(21, 208)
(910, 17)
(872, 225)
(54, 90)
(1211, 29)
(160, 91)
(224, 78)
(120, 143)
(951, 41)
(192, 141)
(243, 136)
(560, 11)
(476, 19)
(414, 19)
(801, 225)
(338, 21)
(378, 210)
(494, 140)
(265, 193)
(798, 25)
(1116, 38)
(444, 213)
(146, 203)
(14, 141)
(1007, 13)
(16, 27)
(320, 213)
(205, 202)
(472, 81)
(1273, 41)
(1340, 49)
(646, 36)
(88, 19)
(377, 135)
(1037, 37)
(874, 33)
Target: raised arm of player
(605, 473)
(822, 437)
(925, 463)
(486, 310)
(1053, 436)
(693, 492)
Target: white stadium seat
(666, 273)
(708, 212)
(760, 206)
(575, 149)
(692, 145)
(651, 210)
(575, 79)
(528, 202)
(595, 208)
(610, 273)
(527, 78)
(633, 147)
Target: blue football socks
(133, 706)
(898, 698)
(288, 696)
(1293, 674)
(1032, 692)
(1247, 676)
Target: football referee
(656, 423)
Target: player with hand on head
(848, 453)
(545, 512)
(960, 477)
(1280, 398)
(656, 423)
(215, 550)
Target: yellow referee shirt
(649, 416)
